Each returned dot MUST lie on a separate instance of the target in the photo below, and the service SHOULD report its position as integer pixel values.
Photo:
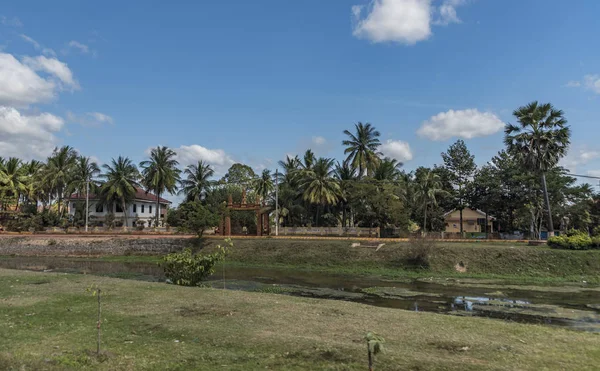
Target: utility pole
(276, 202)
(87, 200)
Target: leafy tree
(540, 140)
(160, 174)
(264, 185)
(32, 171)
(427, 188)
(195, 217)
(13, 179)
(290, 167)
(197, 181)
(58, 172)
(121, 178)
(461, 166)
(362, 148)
(388, 169)
(318, 185)
(239, 174)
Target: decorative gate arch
(263, 227)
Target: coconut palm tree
(13, 179)
(264, 185)
(160, 174)
(388, 169)
(58, 172)
(84, 171)
(319, 186)
(427, 187)
(32, 171)
(121, 178)
(540, 140)
(309, 160)
(290, 167)
(197, 181)
(361, 148)
(344, 174)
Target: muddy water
(576, 307)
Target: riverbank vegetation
(523, 187)
(152, 326)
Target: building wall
(470, 224)
(148, 212)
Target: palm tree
(427, 187)
(160, 174)
(264, 185)
(540, 140)
(361, 148)
(388, 169)
(32, 172)
(344, 173)
(13, 179)
(121, 178)
(309, 160)
(319, 186)
(83, 172)
(58, 172)
(197, 181)
(290, 167)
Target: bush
(187, 269)
(574, 240)
(419, 252)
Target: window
(119, 209)
(73, 205)
(99, 208)
(134, 208)
(142, 209)
(480, 221)
(150, 209)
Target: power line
(584, 176)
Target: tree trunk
(425, 220)
(461, 221)
(157, 207)
(124, 207)
(370, 357)
(547, 198)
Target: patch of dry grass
(51, 325)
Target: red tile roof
(140, 194)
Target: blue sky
(252, 81)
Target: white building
(143, 207)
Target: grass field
(49, 322)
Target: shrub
(187, 269)
(574, 240)
(419, 252)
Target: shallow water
(576, 307)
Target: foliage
(121, 179)
(374, 346)
(420, 251)
(239, 174)
(160, 174)
(193, 217)
(197, 181)
(188, 269)
(362, 148)
(574, 240)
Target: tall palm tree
(84, 171)
(290, 167)
(13, 179)
(32, 171)
(388, 169)
(344, 174)
(264, 185)
(160, 174)
(427, 187)
(362, 148)
(319, 186)
(197, 181)
(309, 160)
(121, 178)
(58, 172)
(540, 140)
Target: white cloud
(319, 141)
(12, 22)
(37, 46)
(397, 149)
(90, 119)
(590, 82)
(188, 155)
(25, 136)
(573, 84)
(81, 47)
(580, 157)
(467, 124)
(447, 12)
(20, 86)
(53, 67)
(402, 21)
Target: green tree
(58, 172)
(362, 148)
(388, 169)
(427, 188)
(84, 171)
(195, 218)
(540, 140)
(319, 186)
(461, 167)
(13, 179)
(160, 174)
(121, 178)
(239, 174)
(345, 174)
(32, 171)
(197, 181)
(264, 185)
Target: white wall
(145, 215)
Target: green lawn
(48, 322)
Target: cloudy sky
(252, 81)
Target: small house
(473, 221)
